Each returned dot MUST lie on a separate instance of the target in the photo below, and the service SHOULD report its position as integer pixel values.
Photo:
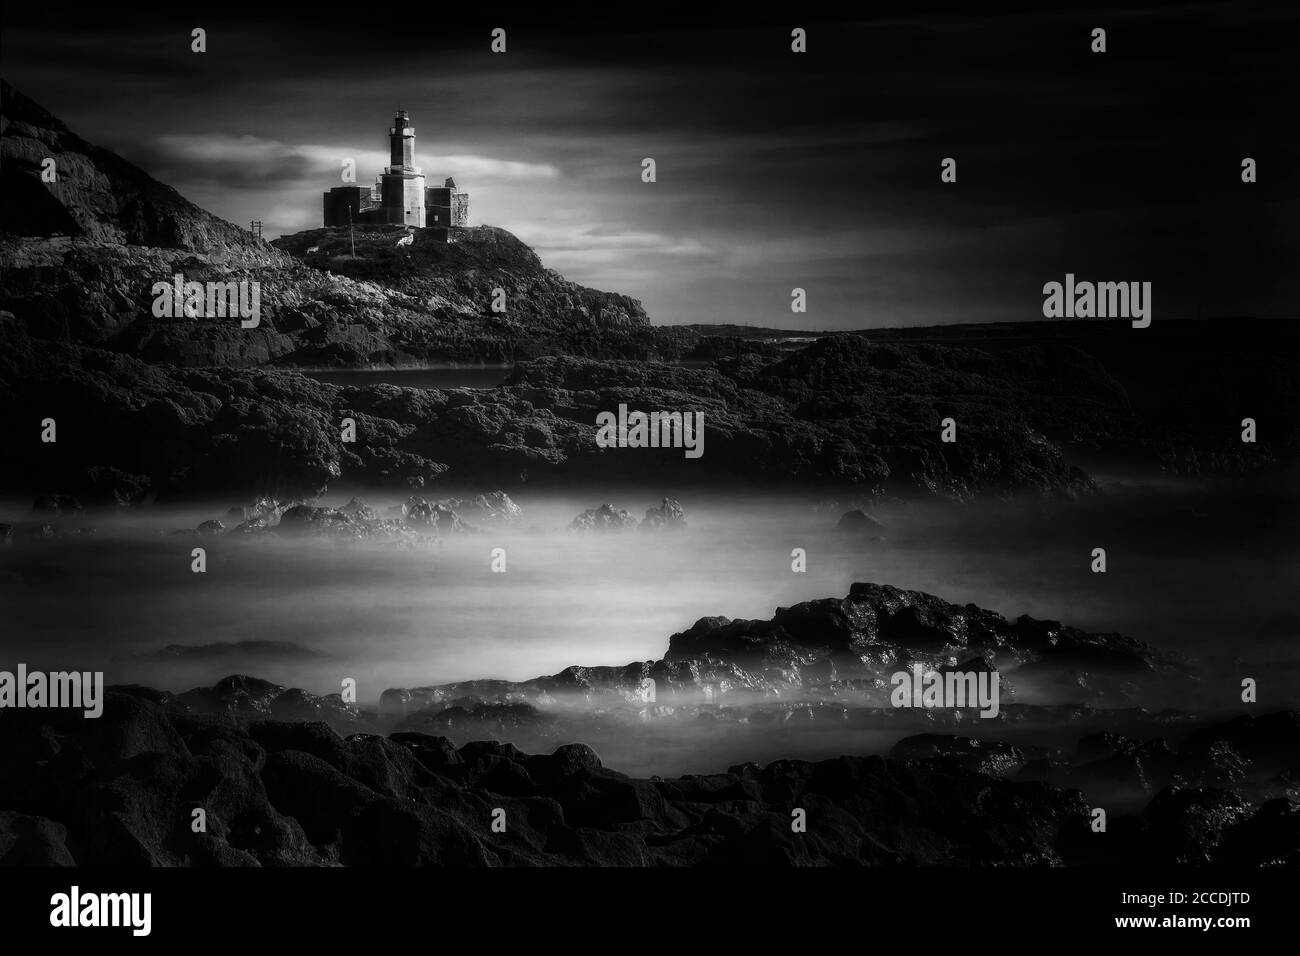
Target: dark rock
(1270, 838)
(437, 754)
(604, 518)
(497, 506)
(669, 514)
(437, 516)
(120, 791)
(1266, 744)
(565, 761)
(1186, 825)
(602, 798)
(992, 757)
(312, 791)
(305, 519)
(877, 630)
(359, 511)
(387, 833)
(32, 841)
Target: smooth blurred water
(1209, 576)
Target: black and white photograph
(645, 441)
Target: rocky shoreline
(122, 791)
(285, 777)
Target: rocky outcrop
(830, 660)
(100, 200)
(123, 790)
(439, 296)
(496, 507)
(669, 514)
(604, 518)
(879, 628)
(79, 258)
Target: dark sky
(775, 170)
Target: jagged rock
(992, 757)
(436, 515)
(119, 790)
(1214, 764)
(359, 511)
(250, 697)
(211, 527)
(669, 514)
(878, 630)
(437, 754)
(1186, 825)
(304, 519)
(261, 514)
(497, 506)
(604, 518)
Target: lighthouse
(402, 184)
(399, 196)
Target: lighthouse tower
(402, 183)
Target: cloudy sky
(775, 170)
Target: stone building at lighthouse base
(400, 195)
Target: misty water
(1211, 576)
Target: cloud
(601, 253)
(252, 160)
